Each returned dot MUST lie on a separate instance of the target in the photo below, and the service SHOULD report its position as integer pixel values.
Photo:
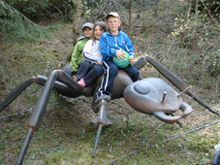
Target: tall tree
(77, 18)
(196, 9)
(131, 28)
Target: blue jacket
(109, 44)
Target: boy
(113, 43)
(77, 57)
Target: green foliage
(199, 32)
(45, 9)
(28, 6)
(210, 7)
(17, 25)
(213, 60)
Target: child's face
(98, 32)
(87, 32)
(113, 24)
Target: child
(76, 57)
(92, 61)
(113, 43)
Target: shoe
(103, 97)
(81, 82)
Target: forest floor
(66, 135)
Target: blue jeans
(110, 71)
(89, 71)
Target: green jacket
(77, 57)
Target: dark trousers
(89, 71)
(110, 71)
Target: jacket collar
(109, 33)
(81, 38)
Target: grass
(67, 137)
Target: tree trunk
(131, 28)
(189, 12)
(76, 22)
(196, 13)
(142, 4)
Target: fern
(14, 23)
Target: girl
(91, 66)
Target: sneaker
(81, 82)
(103, 97)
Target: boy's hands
(120, 54)
(131, 59)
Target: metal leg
(97, 140)
(15, 92)
(40, 109)
(101, 120)
(25, 146)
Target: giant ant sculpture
(151, 96)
